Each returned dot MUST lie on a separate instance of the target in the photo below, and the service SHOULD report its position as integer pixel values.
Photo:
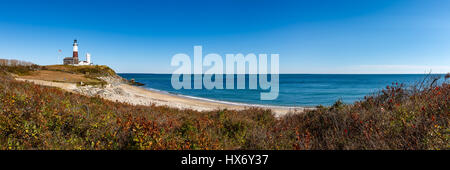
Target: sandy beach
(118, 91)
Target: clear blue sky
(320, 36)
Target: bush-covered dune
(38, 117)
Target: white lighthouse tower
(88, 58)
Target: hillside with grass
(40, 117)
(80, 75)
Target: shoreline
(223, 101)
(121, 92)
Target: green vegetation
(38, 117)
(58, 73)
(17, 67)
(81, 75)
(91, 71)
(20, 70)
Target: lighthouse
(74, 59)
(75, 52)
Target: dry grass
(88, 75)
(92, 71)
(58, 76)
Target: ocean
(294, 89)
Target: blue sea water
(294, 89)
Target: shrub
(398, 117)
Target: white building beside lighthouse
(88, 60)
